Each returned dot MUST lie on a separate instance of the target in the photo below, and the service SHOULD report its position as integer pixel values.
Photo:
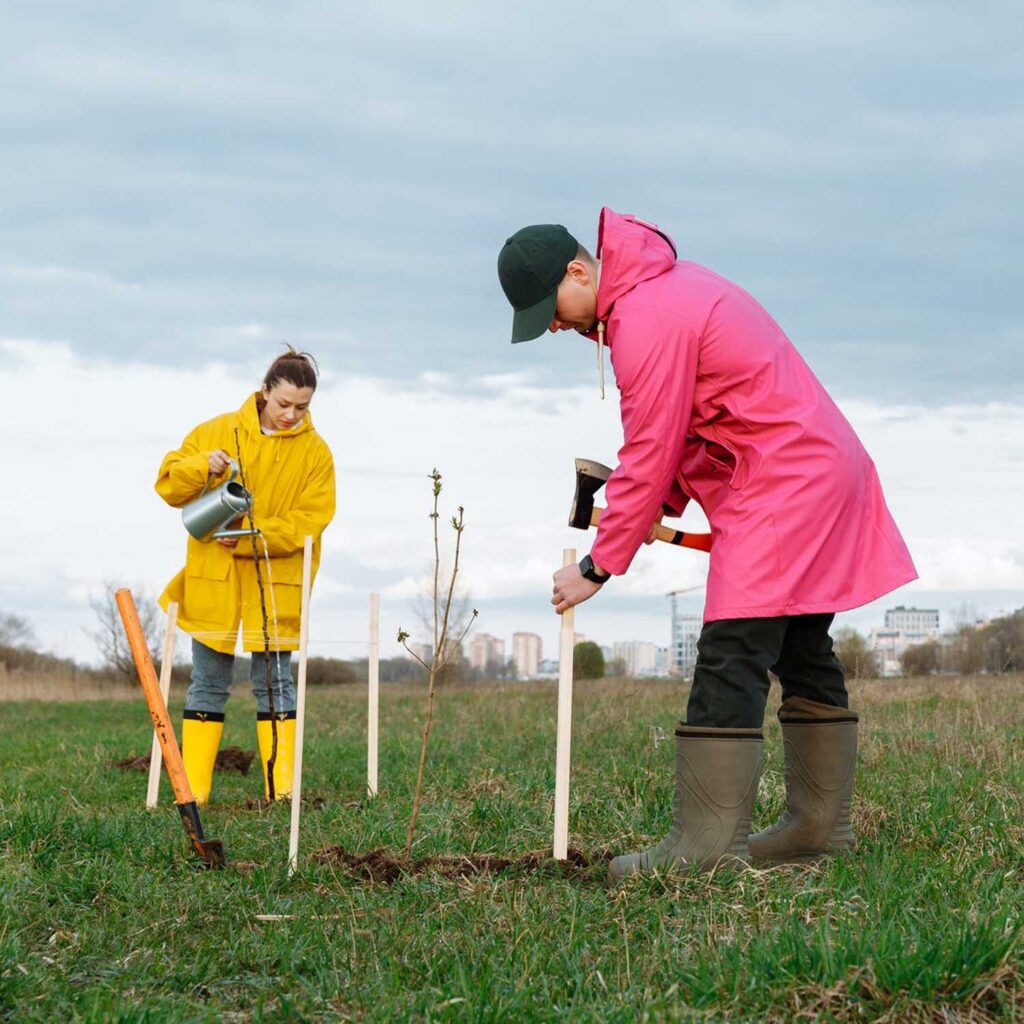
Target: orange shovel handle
(154, 698)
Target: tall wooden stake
(300, 705)
(561, 845)
(156, 754)
(372, 714)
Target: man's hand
(571, 588)
(652, 534)
(219, 461)
(228, 542)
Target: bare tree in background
(459, 617)
(855, 654)
(109, 635)
(17, 631)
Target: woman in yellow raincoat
(289, 470)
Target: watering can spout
(208, 517)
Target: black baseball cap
(531, 266)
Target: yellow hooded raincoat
(291, 476)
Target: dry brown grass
(71, 686)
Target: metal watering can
(207, 517)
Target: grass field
(104, 919)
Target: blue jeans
(211, 679)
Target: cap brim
(531, 323)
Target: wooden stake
(300, 705)
(156, 755)
(561, 845)
(373, 678)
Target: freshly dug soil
(234, 759)
(381, 866)
(230, 759)
(309, 803)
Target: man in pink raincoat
(718, 407)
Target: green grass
(104, 919)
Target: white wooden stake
(156, 755)
(561, 845)
(300, 705)
(373, 679)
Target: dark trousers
(734, 657)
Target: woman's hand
(219, 461)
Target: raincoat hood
(631, 251)
(249, 419)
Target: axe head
(590, 478)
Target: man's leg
(203, 719)
(819, 735)
(718, 750)
(282, 721)
(808, 666)
(730, 679)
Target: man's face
(576, 306)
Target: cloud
(343, 177)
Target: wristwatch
(588, 572)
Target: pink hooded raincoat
(718, 407)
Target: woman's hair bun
(298, 368)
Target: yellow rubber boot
(200, 741)
(285, 760)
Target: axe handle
(697, 541)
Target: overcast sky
(186, 186)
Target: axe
(590, 478)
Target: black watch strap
(588, 571)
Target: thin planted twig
(253, 534)
(443, 650)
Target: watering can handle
(209, 477)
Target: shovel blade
(210, 850)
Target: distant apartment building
(422, 651)
(486, 650)
(527, 651)
(923, 622)
(904, 627)
(663, 662)
(686, 627)
(639, 657)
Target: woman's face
(284, 405)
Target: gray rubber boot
(820, 745)
(717, 771)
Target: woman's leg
(203, 719)
(280, 724)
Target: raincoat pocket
(723, 461)
(209, 595)
(288, 602)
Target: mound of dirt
(309, 803)
(381, 866)
(230, 759)
(234, 759)
(132, 764)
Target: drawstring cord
(600, 355)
